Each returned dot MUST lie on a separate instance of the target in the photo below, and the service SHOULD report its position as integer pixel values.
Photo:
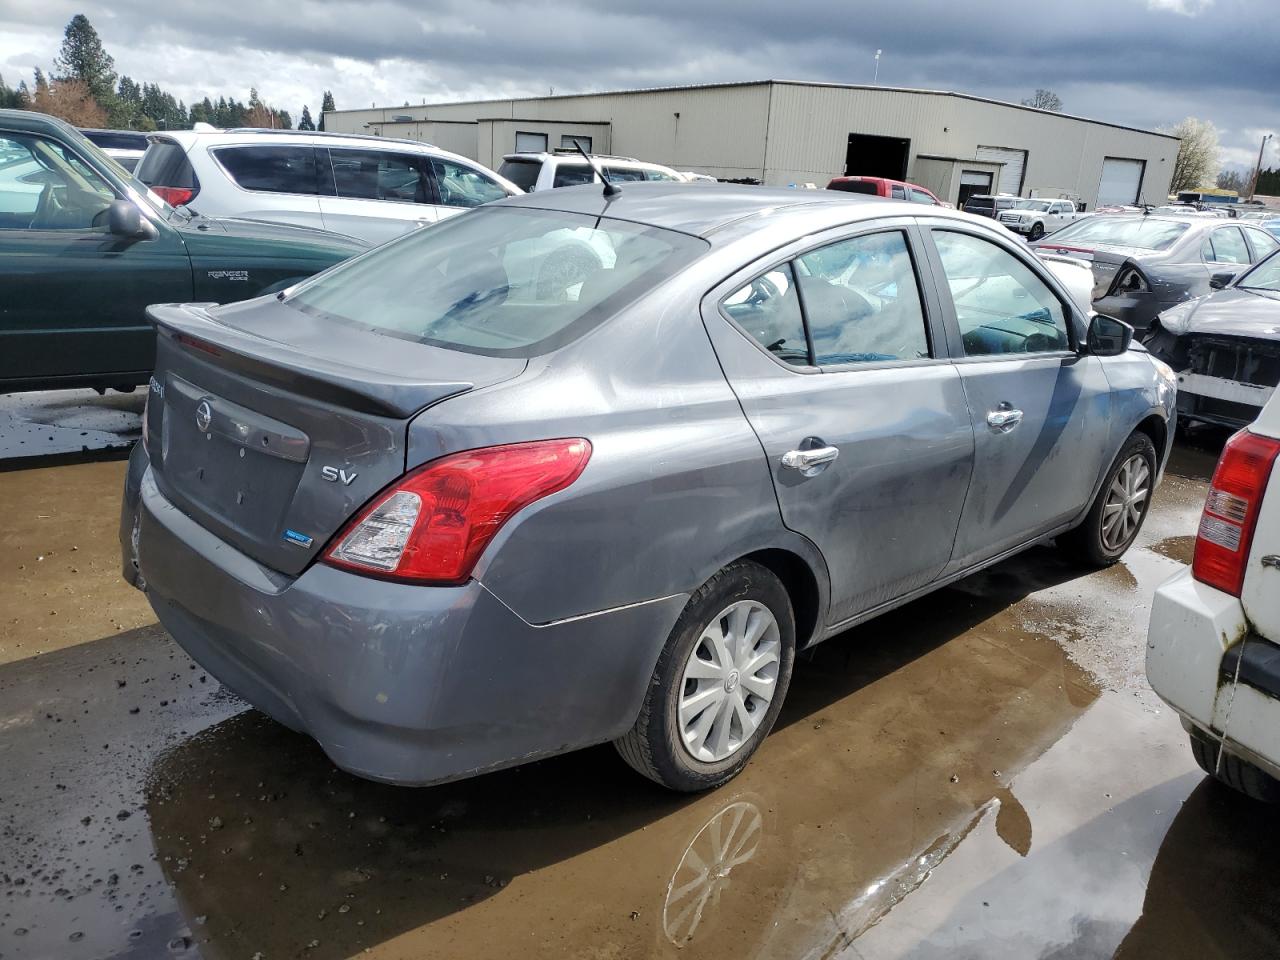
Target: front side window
(500, 281)
(43, 186)
(272, 169)
(379, 175)
(461, 186)
(1001, 305)
(1263, 243)
(862, 301)
(768, 310)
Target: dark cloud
(1139, 62)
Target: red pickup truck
(881, 187)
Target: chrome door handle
(1004, 419)
(806, 460)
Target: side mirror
(1223, 279)
(124, 219)
(1108, 337)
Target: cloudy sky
(1146, 63)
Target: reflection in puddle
(728, 839)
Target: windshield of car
(1265, 276)
(500, 281)
(1039, 206)
(523, 173)
(1146, 233)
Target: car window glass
(379, 175)
(461, 186)
(919, 196)
(897, 192)
(1228, 246)
(501, 281)
(271, 169)
(1263, 243)
(661, 175)
(523, 173)
(862, 301)
(622, 174)
(572, 174)
(44, 186)
(1148, 233)
(768, 309)
(1001, 305)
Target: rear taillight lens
(432, 525)
(1231, 511)
(1130, 280)
(174, 196)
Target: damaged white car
(1225, 348)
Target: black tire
(1037, 231)
(1085, 542)
(653, 746)
(1240, 775)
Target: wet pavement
(68, 424)
(981, 774)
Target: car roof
(249, 134)
(703, 209)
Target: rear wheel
(719, 682)
(1239, 775)
(1121, 506)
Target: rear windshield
(856, 186)
(500, 281)
(523, 173)
(980, 203)
(113, 140)
(165, 164)
(1146, 233)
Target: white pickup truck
(1213, 646)
(1037, 217)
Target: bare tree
(71, 100)
(1197, 163)
(1233, 180)
(1044, 100)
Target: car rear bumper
(399, 683)
(1222, 679)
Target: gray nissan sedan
(576, 468)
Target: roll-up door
(1015, 164)
(1121, 180)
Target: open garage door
(1011, 174)
(1121, 181)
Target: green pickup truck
(84, 248)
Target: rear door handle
(808, 461)
(1004, 419)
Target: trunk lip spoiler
(364, 389)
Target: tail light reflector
(1231, 511)
(174, 196)
(432, 524)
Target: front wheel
(1037, 231)
(1120, 507)
(719, 682)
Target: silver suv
(373, 188)
(542, 171)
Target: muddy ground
(982, 774)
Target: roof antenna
(609, 188)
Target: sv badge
(334, 475)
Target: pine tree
(325, 105)
(306, 123)
(10, 98)
(83, 58)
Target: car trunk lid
(271, 427)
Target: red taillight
(1231, 511)
(174, 196)
(432, 525)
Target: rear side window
(768, 310)
(623, 174)
(460, 186)
(523, 173)
(862, 301)
(659, 175)
(379, 175)
(165, 164)
(919, 196)
(856, 186)
(272, 169)
(1227, 246)
(572, 174)
(897, 193)
(1263, 243)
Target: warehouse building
(782, 132)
